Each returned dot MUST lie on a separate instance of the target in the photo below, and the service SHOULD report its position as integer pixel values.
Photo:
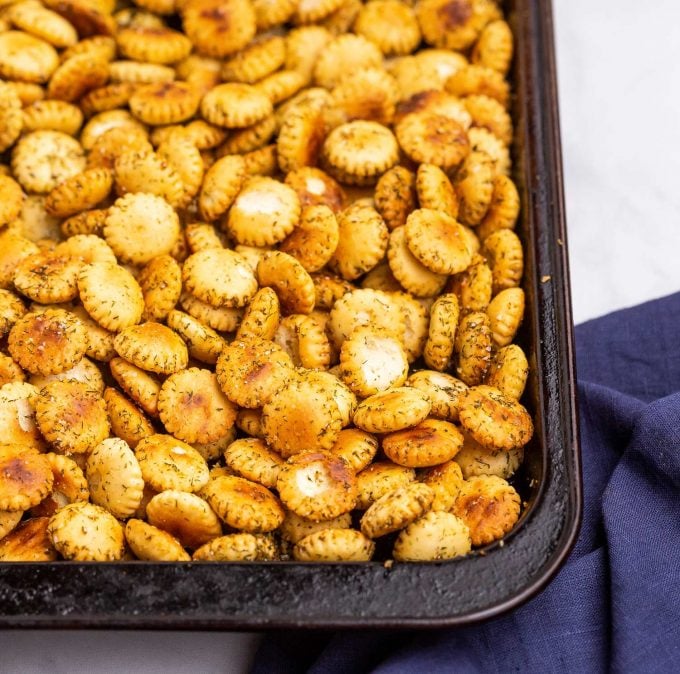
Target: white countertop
(620, 105)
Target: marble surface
(620, 102)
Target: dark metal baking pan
(484, 584)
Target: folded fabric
(615, 605)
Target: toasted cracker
(317, 485)
(169, 463)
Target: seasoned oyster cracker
(392, 410)
(315, 238)
(359, 152)
(87, 248)
(494, 47)
(243, 505)
(219, 277)
(111, 295)
(363, 308)
(153, 45)
(114, 477)
(411, 274)
(26, 58)
(193, 408)
(455, 25)
(474, 79)
(483, 140)
(294, 528)
(11, 310)
(356, 447)
(474, 341)
(503, 252)
(10, 115)
(25, 477)
(488, 113)
(185, 516)
(509, 371)
(53, 115)
(371, 362)
(505, 312)
(343, 54)
(434, 537)
(474, 186)
(391, 25)
(300, 416)
(47, 343)
(164, 102)
(48, 277)
(380, 478)
(169, 463)
(251, 458)
(218, 27)
(261, 58)
(289, 279)
(85, 532)
(76, 76)
(433, 138)
(474, 286)
(10, 371)
(442, 390)
(139, 73)
(225, 319)
(261, 318)
(12, 200)
(182, 155)
(141, 386)
(494, 420)
(238, 548)
(141, 218)
(145, 172)
(435, 191)
(445, 480)
(362, 241)
(9, 519)
(314, 187)
(221, 185)
(203, 342)
(474, 460)
(29, 542)
(396, 510)
(489, 506)
(235, 105)
(334, 545)
(79, 193)
(13, 249)
(317, 485)
(437, 240)
(444, 316)
(128, 422)
(161, 283)
(153, 544)
(430, 443)
(281, 85)
(264, 212)
(301, 135)
(369, 93)
(71, 416)
(503, 209)
(152, 347)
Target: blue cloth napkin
(615, 605)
